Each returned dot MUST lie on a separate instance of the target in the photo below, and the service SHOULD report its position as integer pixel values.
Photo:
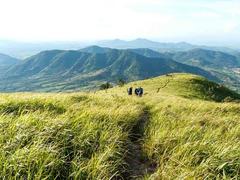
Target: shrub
(106, 85)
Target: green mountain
(206, 58)
(95, 49)
(59, 70)
(149, 53)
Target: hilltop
(186, 85)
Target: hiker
(136, 91)
(140, 91)
(129, 91)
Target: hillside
(188, 86)
(207, 58)
(59, 70)
(222, 65)
(176, 132)
(6, 61)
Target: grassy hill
(179, 129)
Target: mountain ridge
(78, 69)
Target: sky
(199, 21)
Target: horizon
(196, 22)
(86, 43)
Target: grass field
(184, 127)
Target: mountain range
(161, 46)
(61, 70)
(89, 67)
(23, 50)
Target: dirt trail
(138, 165)
(167, 82)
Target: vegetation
(107, 85)
(121, 82)
(181, 128)
(49, 136)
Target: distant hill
(95, 49)
(206, 58)
(149, 53)
(141, 51)
(26, 49)
(59, 70)
(145, 43)
(161, 46)
(6, 62)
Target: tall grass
(194, 139)
(189, 134)
(63, 136)
(85, 135)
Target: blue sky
(197, 21)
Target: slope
(187, 86)
(171, 133)
(188, 134)
(6, 62)
(207, 58)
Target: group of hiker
(138, 91)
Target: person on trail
(140, 89)
(129, 91)
(136, 91)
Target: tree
(121, 82)
(106, 85)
